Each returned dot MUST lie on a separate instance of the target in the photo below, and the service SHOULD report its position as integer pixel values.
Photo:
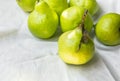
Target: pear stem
(83, 19)
(84, 32)
(82, 26)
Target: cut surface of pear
(43, 21)
(27, 5)
(91, 5)
(72, 17)
(72, 50)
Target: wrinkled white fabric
(26, 58)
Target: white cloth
(26, 58)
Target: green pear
(91, 5)
(75, 46)
(57, 5)
(74, 51)
(43, 21)
(108, 29)
(72, 17)
(27, 5)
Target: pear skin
(57, 5)
(27, 5)
(91, 5)
(72, 50)
(108, 29)
(43, 21)
(72, 17)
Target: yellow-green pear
(91, 5)
(75, 46)
(57, 5)
(27, 5)
(73, 50)
(43, 21)
(108, 29)
(72, 17)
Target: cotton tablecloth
(24, 57)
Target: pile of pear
(75, 46)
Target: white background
(26, 58)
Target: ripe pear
(27, 5)
(108, 29)
(72, 17)
(75, 46)
(57, 5)
(91, 5)
(43, 21)
(74, 51)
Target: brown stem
(83, 19)
(85, 37)
(81, 26)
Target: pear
(108, 29)
(75, 46)
(27, 5)
(57, 5)
(43, 21)
(71, 17)
(91, 5)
